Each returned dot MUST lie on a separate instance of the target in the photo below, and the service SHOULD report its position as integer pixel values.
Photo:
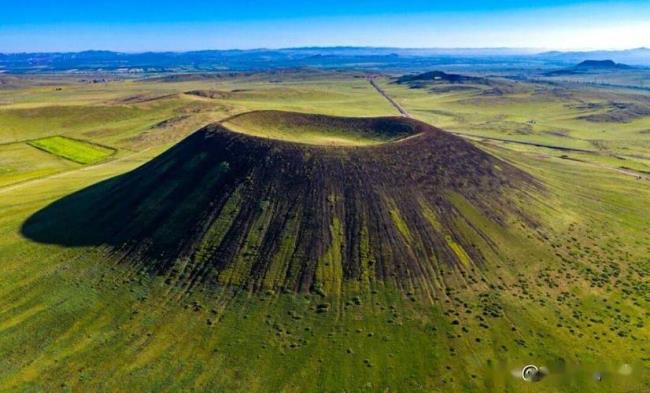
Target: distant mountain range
(601, 65)
(592, 66)
(637, 57)
(397, 59)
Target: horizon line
(530, 49)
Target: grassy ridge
(316, 129)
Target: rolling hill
(436, 77)
(601, 65)
(592, 66)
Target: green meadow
(569, 292)
(588, 120)
(313, 131)
(72, 149)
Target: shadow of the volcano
(67, 221)
(152, 211)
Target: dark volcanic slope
(231, 209)
(419, 80)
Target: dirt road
(405, 113)
(394, 103)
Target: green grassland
(557, 116)
(633, 80)
(570, 292)
(132, 115)
(72, 149)
(20, 162)
(313, 130)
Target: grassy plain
(571, 294)
(585, 119)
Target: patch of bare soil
(196, 77)
(171, 122)
(141, 98)
(452, 88)
(616, 112)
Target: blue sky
(71, 25)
